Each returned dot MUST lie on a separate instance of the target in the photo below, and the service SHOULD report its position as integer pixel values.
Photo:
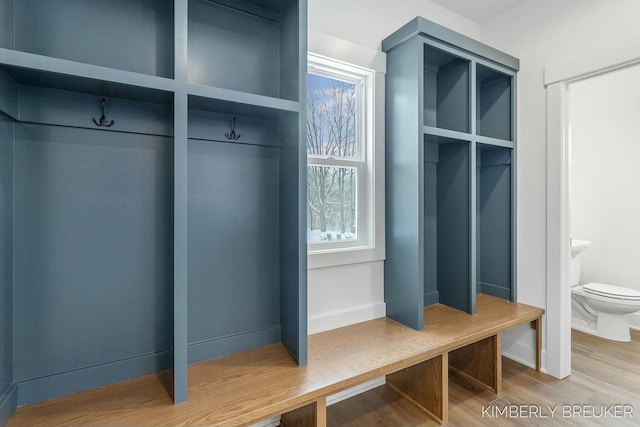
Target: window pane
(331, 203)
(331, 117)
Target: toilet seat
(612, 291)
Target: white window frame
(364, 79)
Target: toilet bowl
(601, 309)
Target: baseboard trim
(230, 344)
(8, 404)
(50, 386)
(522, 353)
(269, 422)
(495, 290)
(431, 298)
(344, 318)
(354, 391)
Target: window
(339, 104)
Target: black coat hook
(233, 135)
(102, 121)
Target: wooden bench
(244, 388)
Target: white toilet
(598, 308)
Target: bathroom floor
(604, 373)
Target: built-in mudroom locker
(450, 171)
(152, 189)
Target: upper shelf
(129, 35)
(433, 31)
(243, 51)
(494, 112)
(37, 70)
(446, 90)
(245, 46)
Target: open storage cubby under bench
(247, 387)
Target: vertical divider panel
(473, 191)
(8, 392)
(473, 224)
(293, 205)
(404, 264)
(302, 190)
(180, 205)
(7, 26)
(430, 224)
(514, 194)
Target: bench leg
(537, 325)
(481, 362)
(427, 384)
(311, 415)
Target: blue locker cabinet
(450, 175)
(173, 230)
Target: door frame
(558, 77)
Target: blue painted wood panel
(243, 51)
(420, 26)
(293, 51)
(6, 23)
(93, 259)
(466, 98)
(132, 35)
(94, 265)
(233, 241)
(494, 111)
(446, 90)
(494, 222)
(6, 254)
(404, 263)
(66, 108)
(293, 187)
(293, 235)
(212, 126)
(454, 234)
(431, 295)
(8, 95)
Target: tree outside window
(334, 158)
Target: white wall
(536, 31)
(351, 31)
(540, 32)
(368, 22)
(605, 177)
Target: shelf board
(249, 101)
(446, 133)
(38, 70)
(452, 134)
(494, 141)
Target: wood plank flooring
(604, 373)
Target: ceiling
(479, 11)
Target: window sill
(343, 256)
